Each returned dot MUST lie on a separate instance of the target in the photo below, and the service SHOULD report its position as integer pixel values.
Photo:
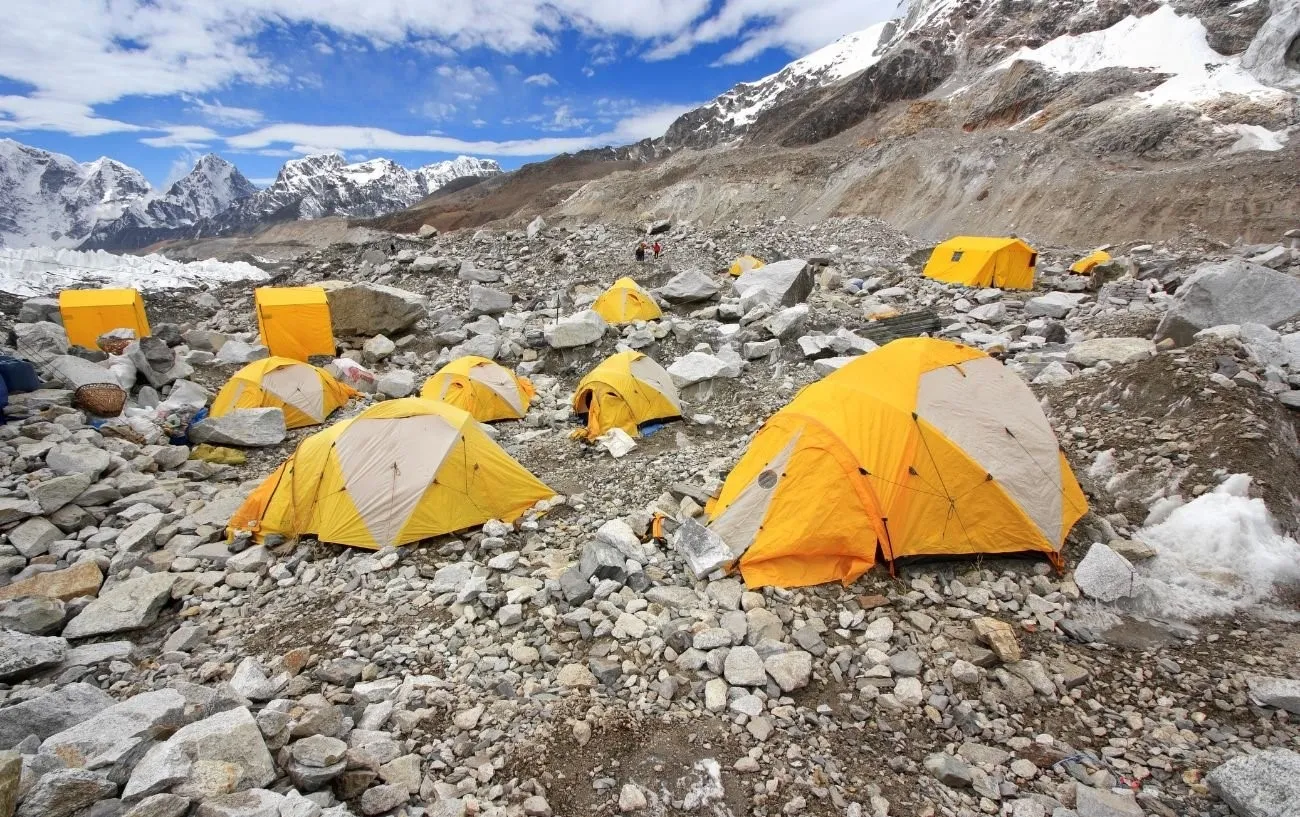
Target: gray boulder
(688, 287)
(39, 342)
(33, 536)
(238, 352)
(229, 741)
(1090, 802)
(1263, 784)
(52, 494)
(1053, 304)
(22, 654)
(783, 283)
(157, 362)
(1283, 693)
(536, 226)
(1230, 292)
(78, 459)
(791, 670)
(696, 367)
(1110, 350)
(34, 615)
(488, 301)
(127, 605)
(51, 713)
(705, 551)
(37, 310)
(1270, 58)
(1105, 575)
(580, 329)
(372, 309)
(249, 427)
(115, 738)
(396, 383)
(64, 792)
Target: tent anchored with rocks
(922, 447)
(1085, 265)
(627, 390)
(401, 471)
(983, 261)
(744, 264)
(306, 394)
(294, 322)
(482, 387)
(626, 302)
(89, 313)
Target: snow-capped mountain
(210, 188)
(325, 185)
(49, 199)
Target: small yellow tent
(401, 471)
(626, 302)
(89, 313)
(294, 322)
(307, 394)
(487, 390)
(1085, 265)
(626, 391)
(979, 261)
(744, 264)
(922, 447)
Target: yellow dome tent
(922, 447)
(307, 394)
(626, 391)
(1085, 265)
(626, 302)
(484, 388)
(401, 471)
(294, 322)
(89, 313)
(744, 264)
(980, 261)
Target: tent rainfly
(89, 313)
(306, 393)
(627, 391)
(401, 471)
(626, 302)
(484, 388)
(980, 261)
(922, 447)
(744, 264)
(1085, 265)
(294, 322)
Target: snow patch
(44, 271)
(1163, 42)
(1255, 137)
(1216, 555)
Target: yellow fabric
(612, 397)
(744, 264)
(866, 472)
(244, 390)
(294, 322)
(979, 261)
(452, 384)
(1085, 265)
(307, 494)
(89, 313)
(626, 302)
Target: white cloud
(540, 80)
(305, 139)
(227, 115)
(193, 137)
(43, 113)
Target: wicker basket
(100, 399)
(114, 346)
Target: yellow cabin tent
(626, 302)
(401, 471)
(484, 388)
(307, 394)
(294, 322)
(1085, 265)
(89, 313)
(980, 261)
(626, 391)
(744, 264)
(922, 447)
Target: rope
(952, 503)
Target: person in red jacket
(658, 248)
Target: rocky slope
(567, 664)
(49, 199)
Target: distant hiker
(640, 251)
(392, 248)
(658, 248)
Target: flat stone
(245, 428)
(115, 738)
(78, 459)
(378, 799)
(948, 770)
(1105, 575)
(687, 287)
(45, 715)
(127, 605)
(64, 792)
(219, 754)
(705, 551)
(1110, 350)
(1000, 637)
(1282, 693)
(33, 615)
(744, 667)
(22, 654)
(1261, 784)
(82, 579)
(250, 803)
(52, 494)
(580, 329)
(791, 670)
(1090, 802)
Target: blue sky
(156, 83)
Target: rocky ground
(567, 665)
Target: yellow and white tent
(294, 322)
(744, 264)
(922, 447)
(626, 391)
(89, 313)
(484, 388)
(626, 302)
(1085, 265)
(401, 471)
(307, 394)
(982, 261)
